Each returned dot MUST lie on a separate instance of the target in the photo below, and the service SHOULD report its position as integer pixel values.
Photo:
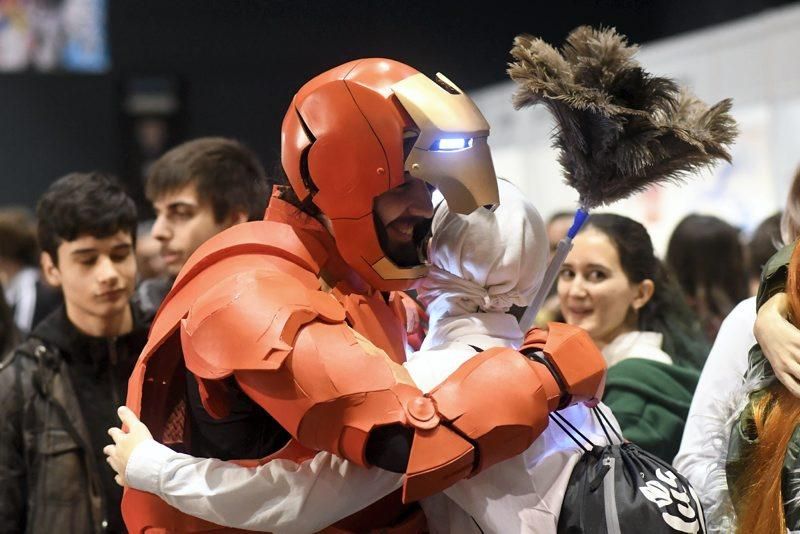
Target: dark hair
(226, 173)
(763, 244)
(666, 312)
(708, 259)
(287, 194)
(83, 204)
(18, 236)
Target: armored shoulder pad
(249, 321)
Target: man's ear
(644, 292)
(50, 269)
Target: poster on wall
(53, 36)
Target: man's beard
(405, 253)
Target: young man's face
(183, 223)
(97, 276)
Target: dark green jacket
(651, 401)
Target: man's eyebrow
(83, 251)
(180, 204)
(92, 250)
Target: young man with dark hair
(198, 189)
(59, 389)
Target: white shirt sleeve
(279, 496)
(722, 375)
(429, 368)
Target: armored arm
(291, 350)
(500, 399)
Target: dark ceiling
(237, 64)
(288, 41)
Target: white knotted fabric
(483, 263)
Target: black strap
(604, 422)
(561, 421)
(476, 524)
(540, 356)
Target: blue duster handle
(550, 275)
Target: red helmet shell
(342, 142)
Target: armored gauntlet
(496, 404)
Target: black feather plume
(619, 128)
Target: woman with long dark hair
(699, 245)
(614, 286)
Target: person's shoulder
(735, 336)
(645, 372)
(254, 317)
(744, 312)
(34, 349)
(634, 366)
(774, 273)
(780, 258)
(636, 345)
(25, 358)
(635, 384)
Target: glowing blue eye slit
(450, 144)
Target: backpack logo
(668, 491)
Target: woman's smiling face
(594, 291)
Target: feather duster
(619, 129)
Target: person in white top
(711, 406)
(482, 264)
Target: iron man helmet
(342, 143)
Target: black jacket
(58, 395)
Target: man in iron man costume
(295, 311)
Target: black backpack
(622, 489)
